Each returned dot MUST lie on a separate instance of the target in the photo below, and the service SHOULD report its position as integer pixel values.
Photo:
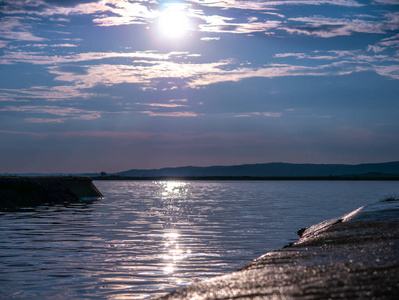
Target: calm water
(146, 238)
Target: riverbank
(353, 256)
(21, 192)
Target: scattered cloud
(385, 44)
(66, 45)
(124, 12)
(264, 114)
(207, 39)
(42, 58)
(163, 105)
(170, 114)
(178, 100)
(3, 44)
(66, 112)
(387, 2)
(391, 71)
(272, 114)
(331, 27)
(153, 70)
(106, 12)
(268, 5)
(44, 120)
(56, 93)
(221, 24)
(11, 28)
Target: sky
(113, 85)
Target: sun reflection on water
(173, 188)
(174, 252)
(174, 195)
(158, 243)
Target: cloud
(385, 44)
(207, 39)
(154, 72)
(170, 114)
(264, 114)
(387, 2)
(68, 3)
(66, 45)
(137, 135)
(331, 27)
(107, 75)
(322, 55)
(44, 120)
(268, 5)
(65, 112)
(4, 44)
(9, 97)
(162, 105)
(218, 24)
(388, 71)
(347, 62)
(56, 93)
(12, 6)
(124, 12)
(178, 100)
(12, 29)
(272, 114)
(42, 46)
(41, 58)
(347, 3)
(60, 20)
(108, 12)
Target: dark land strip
(21, 192)
(310, 178)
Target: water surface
(146, 238)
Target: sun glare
(173, 22)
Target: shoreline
(353, 256)
(23, 192)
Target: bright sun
(173, 22)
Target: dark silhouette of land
(21, 192)
(268, 171)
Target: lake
(145, 238)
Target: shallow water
(146, 238)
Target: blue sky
(111, 85)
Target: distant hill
(272, 170)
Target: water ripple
(146, 238)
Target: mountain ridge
(274, 169)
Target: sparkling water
(146, 238)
